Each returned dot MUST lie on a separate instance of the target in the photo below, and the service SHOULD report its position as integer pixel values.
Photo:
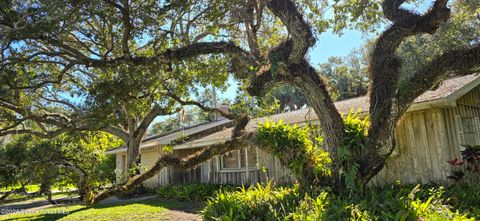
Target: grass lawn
(148, 209)
(30, 188)
(16, 198)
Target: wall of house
(426, 140)
(179, 176)
(421, 152)
(148, 157)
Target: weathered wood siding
(421, 151)
(426, 140)
(148, 157)
(186, 176)
(275, 171)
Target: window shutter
(477, 127)
(461, 137)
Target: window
(237, 159)
(468, 125)
(468, 129)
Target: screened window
(468, 125)
(237, 159)
(468, 129)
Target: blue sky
(327, 45)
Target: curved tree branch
(459, 62)
(385, 65)
(300, 32)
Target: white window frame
(461, 133)
(239, 168)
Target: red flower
(453, 162)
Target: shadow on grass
(69, 211)
(46, 216)
(33, 196)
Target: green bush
(294, 147)
(192, 192)
(254, 203)
(390, 203)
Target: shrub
(466, 170)
(294, 147)
(254, 203)
(300, 148)
(394, 203)
(465, 198)
(192, 192)
(390, 203)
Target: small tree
(65, 160)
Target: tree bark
(386, 108)
(133, 154)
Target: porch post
(247, 175)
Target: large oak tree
(267, 43)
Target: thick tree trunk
(133, 153)
(46, 190)
(331, 121)
(316, 93)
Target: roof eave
(464, 90)
(115, 151)
(438, 103)
(199, 144)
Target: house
(432, 132)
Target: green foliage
(295, 146)
(389, 203)
(59, 162)
(255, 106)
(255, 203)
(192, 192)
(460, 32)
(292, 144)
(310, 208)
(347, 76)
(465, 198)
(348, 154)
(107, 168)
